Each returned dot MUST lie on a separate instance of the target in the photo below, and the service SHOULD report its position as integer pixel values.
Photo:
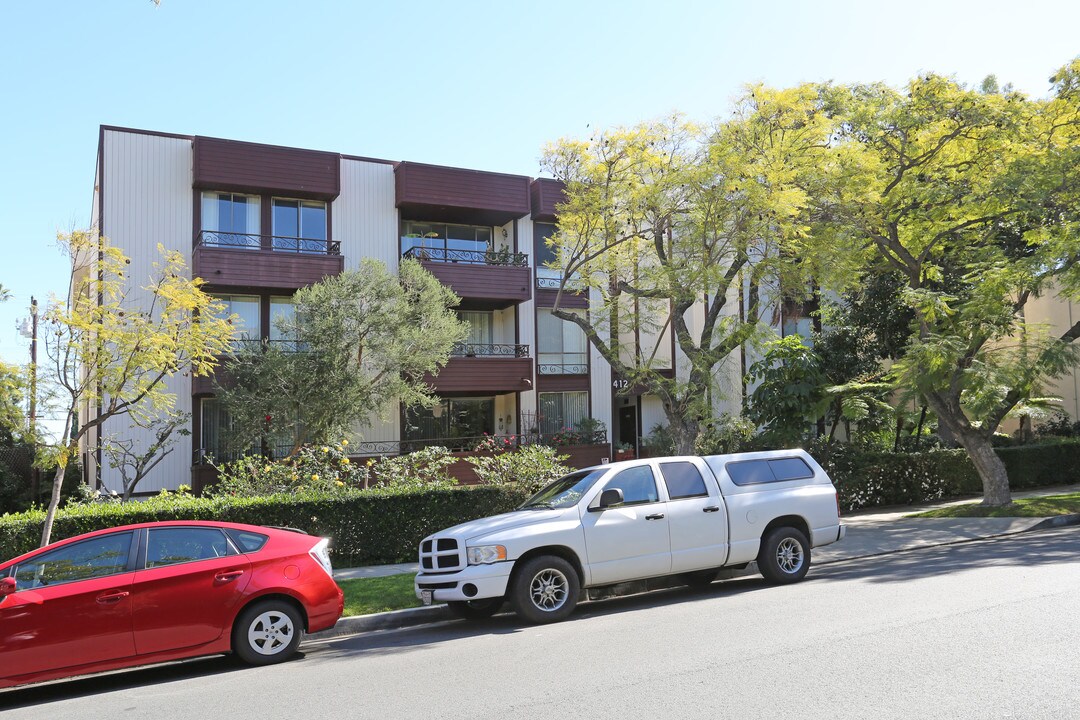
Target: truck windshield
(564, 492)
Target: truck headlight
(484, 554)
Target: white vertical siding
(526, 312)
(600, 380)
(365, 220)
(652, 413)
(147, 199)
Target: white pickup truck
(633, 520)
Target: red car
(162, 591)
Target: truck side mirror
(7, 586)
(610, 497)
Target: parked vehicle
(688, 516)
(162, 591)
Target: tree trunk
(684, 432)
(995, 478)
(54, 503)
(976, 441)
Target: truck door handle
(224, 577)
(711, 508)
(655, 516)
(112, 597)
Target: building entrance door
(626, 433)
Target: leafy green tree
(666, 222)
(971, 197)
(362, 342)
(790, 393)
(113, 352)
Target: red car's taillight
(321, 555)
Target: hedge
(868, 479)
(368, 527)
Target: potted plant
(623, 451)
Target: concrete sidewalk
(879, 531)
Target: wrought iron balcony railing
(469, 257)
(563, 368)
(276, 243)
(548, 283)
(488, 350)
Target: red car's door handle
(224, 577)
(112, 597)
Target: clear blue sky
(473, 84)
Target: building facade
(259, 222)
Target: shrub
(367, 526)
(529, 469)
(327, 469)
(726, 434)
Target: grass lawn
(1028, 507)
(364, 596)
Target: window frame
(144, 554)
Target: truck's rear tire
(784, 556)
(545, 589)
(475, 609)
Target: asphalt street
(985, 629)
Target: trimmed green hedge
(865, 479)
(368, 527)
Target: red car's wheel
(267, 632)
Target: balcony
(485, 368)
(265, 261)
(491, 280)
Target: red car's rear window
(248, 541)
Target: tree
(112, 345)
(364, 340)
(971, 197)
(664, 224)
(133, 461)
(790, 394)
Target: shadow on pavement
(88, 686)
(1037, 548)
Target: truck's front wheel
(545, 589)
(784, 556)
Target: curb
(1058, 521)
(411, 617)
(393, 620)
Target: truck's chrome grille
(441, 555)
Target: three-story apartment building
(259, 222)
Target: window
(546, 277)
(465, 420)
(561, 410)
(752, 472)
(299, 226)
(94, 558)
(480, 333)
(683, 480)
(562, 348)
(637, 484)
(246, 307)
(216, 424)
(172, 546)
(230, 220)
(247, 541)
(448, 243)
(283, 312)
